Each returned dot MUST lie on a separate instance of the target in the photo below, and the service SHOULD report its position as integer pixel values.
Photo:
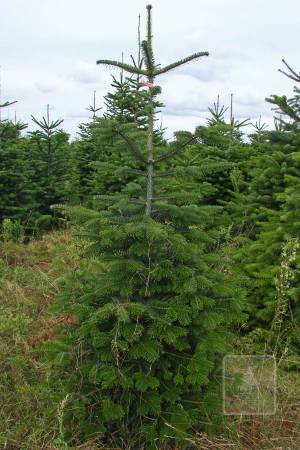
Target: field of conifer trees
(150, 287)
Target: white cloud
(48, 52)
(45, 88)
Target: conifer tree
(274, 194)
(15, 172)
(8, 132)
(93, 108)
(127, 101)
(53, 169)
(221, 148)
(143, 362)
(150, 71)
(86, 152)
(104, 163)
(17, 198)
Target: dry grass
(280, 431)
(29, 276)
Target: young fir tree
(15, 172)
(104, 164)
(54, 177)
(221, 148)
(17, 197)
(127, 101)
(9, 132)
(93, 108)
(272, 260)
(142, 364)
(86, 152)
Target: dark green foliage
(104, 163)
(54, 176)
(36, 171)
(16, 197)
(264, 180)
(221, 147)
(10, 132)
(153, 325)
(127, 102)
(271, 258)
(143, 364)
(154, 322)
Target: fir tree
(221, 148)
(54, 175)
(15, 173)
(268, 257)
(8, 132)
(17, 198)
(154, 314)
(150, 71)
(87, 152)
(93, 108)
(104, 163)
(127, 102)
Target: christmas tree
(152, 316)
(54, 177)
(15, 172)
(271, 258)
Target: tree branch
(132, 146)
(164, 174)
(293, 75)
(126, 67)
(177, 150)
(137, 172)
(148, 56)
(180, 62)
(4, 105)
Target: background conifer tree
(54, 177)
(273, 196)
(104, 163)
(127, 101)
(16, 197)
(222, 151)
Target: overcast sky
(48, 50)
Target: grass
(278, 431)
(29, 276)
(30, 412)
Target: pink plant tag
(148, 84)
